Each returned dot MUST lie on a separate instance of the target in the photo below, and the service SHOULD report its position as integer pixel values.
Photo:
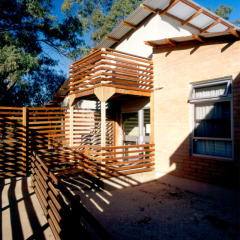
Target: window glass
(146, 122)
(212, 148)
(130, 124)
(213, 120)
(209, 91)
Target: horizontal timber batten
(111, 68)
(44, 128)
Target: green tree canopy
(98, 18)
(26, 26)
(224, 11)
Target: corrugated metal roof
(218, 28)
(202, 21)
(182, 11)
(119, 31)
(105, 43)
(156, 4)
(137, 16)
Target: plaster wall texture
(154, 29)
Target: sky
(64, 63)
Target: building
(170, 72)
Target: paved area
(159, 210)
(21, 214)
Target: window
(212, 118)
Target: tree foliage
(26, 26)
(224, 11)
(98, 18)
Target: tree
(39, 89)
(26, 26)
(98, 18)
(224, 11)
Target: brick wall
(173, 70)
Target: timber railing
(112, 68)
(51, 168)
(101, 162)
(23, 130)
(61, 207)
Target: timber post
(71, 119)
(26, 138)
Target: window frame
(213, 83)
(223, 98)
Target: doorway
(136, 127)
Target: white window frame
(227, 97)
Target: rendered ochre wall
(173, 70)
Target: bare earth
(159, 211)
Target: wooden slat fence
(12, 142)
(62, 209)
(23, 130)
(114, 161)
(48, 127)
(51, 166)
(87, 127)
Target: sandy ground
(159, 211)
(21, 215)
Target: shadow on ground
(21, 214)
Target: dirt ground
(159, 211)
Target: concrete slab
(21, 214)
(209, 190)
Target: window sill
(212, 157)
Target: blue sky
(64, 63)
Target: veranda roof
(186, 11)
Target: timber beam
(197, 37)
(171, 4)
(72, 100)
(210, 26)
(148, 8)
(150, 44)
(112, 39)
(171, 42)
(128, 25)
(192, 17)
(104, 93)
(233, 32)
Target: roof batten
(112, 39)
(210, 26)
(192, 17)
(128, 24)
(148, 8)
(171, 4)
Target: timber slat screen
(23, 130)
(61, 208)
(113, 161)
(87, 127)
(48, 127)
(12, 142)
(53, 168)
(100, 162)
(109, 67)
